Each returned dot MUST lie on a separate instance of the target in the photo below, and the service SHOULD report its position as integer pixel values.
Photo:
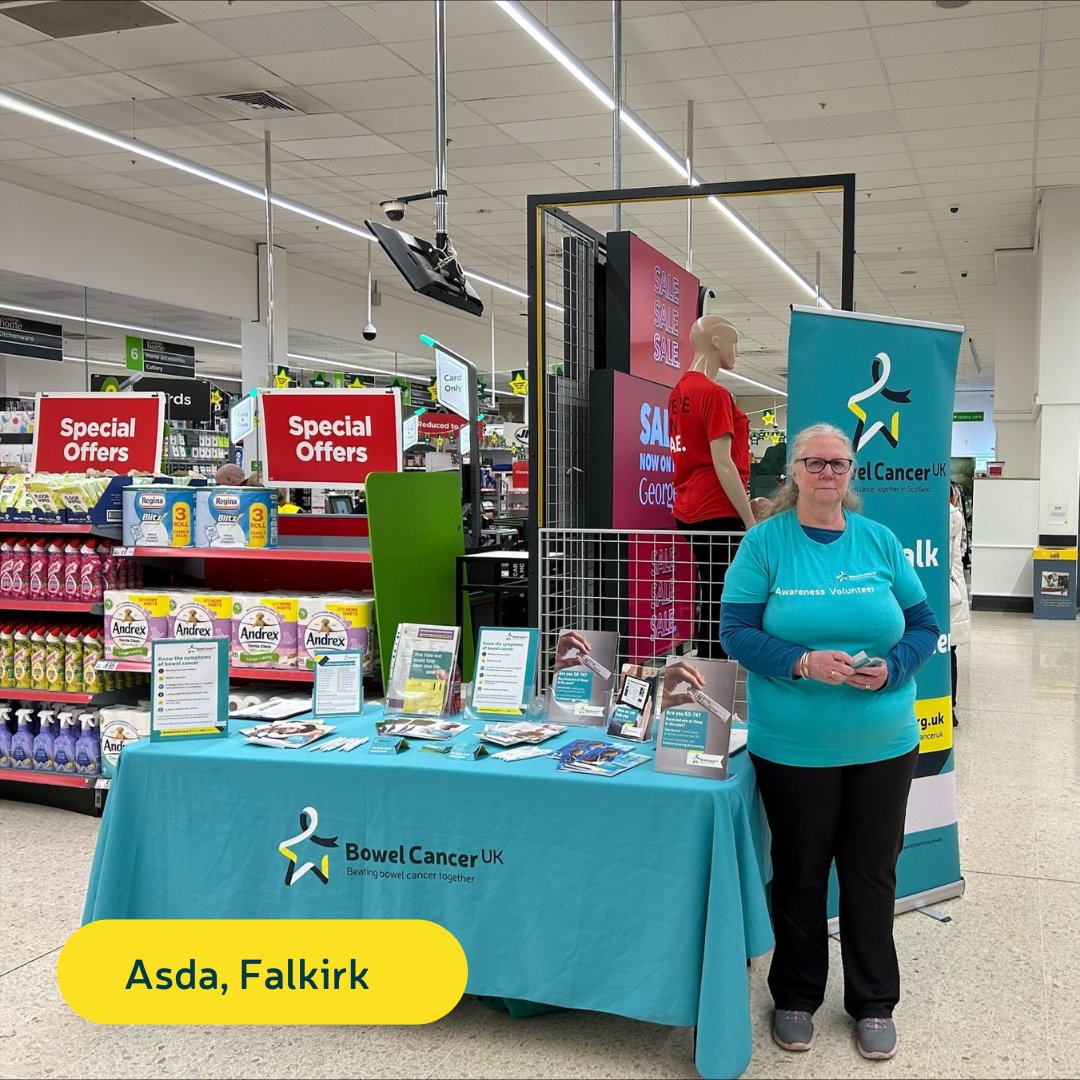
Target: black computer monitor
(339, 504)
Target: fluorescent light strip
(559, 52)
(29, 107)
(102, 363)
(752, 382)
(323, 362)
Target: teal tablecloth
(640, 894)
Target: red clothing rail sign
(328, 438)
(81, 431)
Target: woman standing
(959, 605)
(834, 742)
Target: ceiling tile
(211, 77)
(200, 10)
(950, 116)
(150, 45)
(17, 33)
(812, 80)
(511, 82)
(296, 31)
(968, 62)
(658, 33)
(782, 18)
(349, 146)
(951, 35)
(44, 60)
(88, 89)
(1021, 151)
(729, 136)
(336, 65)
(800, 51)
(966, 91)
(376, 93)
(508, 110)
(825, 127)
(509, 46)
(863, 99)
(157, 112)
(662, 67)
(717, 88)
(385, 21)
(1061, 81)
(983, 135)
(1049, 148)
(1063, 22)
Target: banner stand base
(933, 913)
(918, 902)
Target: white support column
(1015, 362)
(1057, 371)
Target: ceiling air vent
(258, 101)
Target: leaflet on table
(287, 734)
(633, 704)
(505, 679)
(339, 684)
(514, 734)
(423, 670)
(275, 708)
(583, 676)
(189, 688)
(521, 753)
(440, 730)
(599, 758)
(696, 707)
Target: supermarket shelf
(53, 607)
(278, 554)
(267, 674)
(28, 776)
(82, 528)
(105, 697)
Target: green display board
(416, 533)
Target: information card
(505, 680)
(189, 686)
(339, 684)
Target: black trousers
(710, 570)
(855, 815)
(952, 661)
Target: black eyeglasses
(839, 465)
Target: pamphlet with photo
(583, 676)
(697, 701)
(287, 734)
(633, 704)
(423, 671)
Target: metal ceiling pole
(689, 180)
(440, 123)
(616, 93)
(493, 348)
(269, 259)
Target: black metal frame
(557, 204)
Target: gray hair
(787, 494)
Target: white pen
(353, 744)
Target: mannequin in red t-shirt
(710, 447)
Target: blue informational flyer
(189, 688)
(339, 684)
(697, 702)
(505, 680)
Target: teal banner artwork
(889, 384)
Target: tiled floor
(991, 993)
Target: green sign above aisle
(158, 357)
(319, 380)
(961, 417)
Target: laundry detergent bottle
(64, 746)
(22, 742)
(44, 741)
(88, 747)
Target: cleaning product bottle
(54, 659)
(37, 659)
(72, 561)
(20, 570)
(38, 572)
(88, 746)
(43, 742)
(54, 571)
(90, 573)
(22, 742)
(64, 746)
(109, 568)
(7, 655)
(20, 658)
(93, 650)
(5, 737)
(73, 662)
(7, 552)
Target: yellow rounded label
(262, 971)
(257, 520)
(181, 536)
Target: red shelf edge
(12, 693)
(62, 607)
(78, 528)
(283, 554)
(26, 776)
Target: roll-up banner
(889, 384)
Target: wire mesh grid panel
(569, 359)
(660, 591)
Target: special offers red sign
(78, 432)
(328, 438)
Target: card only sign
(81, 431)
(26, 337)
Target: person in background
(959, 605)
(834, 745)
(710, 448)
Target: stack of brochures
(599, 758)
(286, 734)
(440, 730)
(516, 733)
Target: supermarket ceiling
(976, 108)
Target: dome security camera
(394, 209)
(369, 331)
(954, 209)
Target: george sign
(188, 399)
(452, 383)
(158, 357)
(80, 431)
(319, 380)
(326, 438)
(242, 419)
(27, 337)
(967, 417)
(652, 303)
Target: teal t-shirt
(847, 595)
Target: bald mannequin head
(714, 340)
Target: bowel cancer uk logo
(309, 823)
(880, 369)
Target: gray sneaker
(793, 1029)
(877, 1038)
